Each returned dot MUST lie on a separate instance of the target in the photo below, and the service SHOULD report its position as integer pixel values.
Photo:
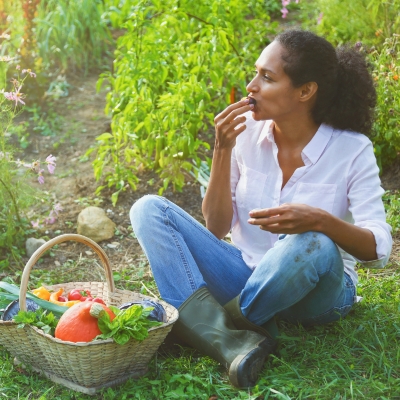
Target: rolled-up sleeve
(366, 206)
(235, 174)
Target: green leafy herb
(42, 319)
(129, 323)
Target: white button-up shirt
(340, 175)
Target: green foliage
(71, 34)
(127, 324)
(174, 70)
(392, 208)
(386, 129)
(47, 123)
(369, 21)
(42, 319)
(15, 194)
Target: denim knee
(316, 241)
(144, 210)
(321, 248)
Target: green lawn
(357, 358)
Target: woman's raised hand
(227, 124)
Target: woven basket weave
(85, 367)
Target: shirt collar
(313, 149)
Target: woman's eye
(267, 78)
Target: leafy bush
(386, 129)
(342, 21)
(71, 33)
(178, 64)
(392, 208)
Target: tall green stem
(12, 199)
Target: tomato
(79, 294)
(87, 298)
(98, 300)
(62, 299)
(74, 295)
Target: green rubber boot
(269, 329)
(205, 325)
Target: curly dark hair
(346, 95)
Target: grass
(356, 358)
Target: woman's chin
(257, 116)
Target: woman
(295, 180)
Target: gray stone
(32, 244)
(94, 223)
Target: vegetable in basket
(42, 293)
(130, 323)
(157, 314)
(13, 309)
(79, 323)
(42, 319)
(12, 293)
(79, 294)
(54, 299)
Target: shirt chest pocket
(250, 188)
(320, 195)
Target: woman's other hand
(229, 124)
(287, 218)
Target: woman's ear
(307, 91)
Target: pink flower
(35, 224)
(297, 1)
(18, 67)
(51, 168)
(57, 208)
(6, 58)
(285, 3)
(41, 177)
(320, 16)
(9, 96)
(284, 12)
(51, 163)
(51, 159)
(15, 96)
(14, 82)
(35, 166)
(50, 220)
(30, 72)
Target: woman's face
(275, 96)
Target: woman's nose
(252, 85)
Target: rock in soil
(32, 244)
(94, 224)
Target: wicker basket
(85, 367)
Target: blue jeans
(301, 279)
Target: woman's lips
(251, 100)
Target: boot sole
(245, 369)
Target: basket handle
(60, 239)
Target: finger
(266, 212)
(268, 221)
(231, 108)
(237, 121)
(273, 229)
(238, 111)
